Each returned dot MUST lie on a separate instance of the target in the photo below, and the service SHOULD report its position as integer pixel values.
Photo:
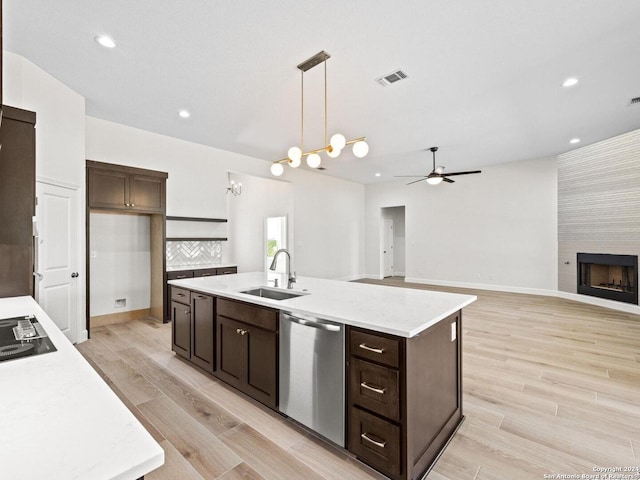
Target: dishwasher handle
(330, 327)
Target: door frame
(81, 328)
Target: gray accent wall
(598, 202)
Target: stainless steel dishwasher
(312, 374)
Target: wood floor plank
(207, 412)
(241, 472)
(175, 467)
(203, 450)
(264, 456)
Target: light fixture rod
(317, 59)
(302, 110)
(326, 138)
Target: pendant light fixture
(333, 146)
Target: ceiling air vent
(392, 77)
(635, 101)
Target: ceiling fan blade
(416, 181)
(448, 180)
(451, 174)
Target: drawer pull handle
(181, 276)
(378, 444)
(373, 389)
(241, 331)
(205, 274)
(201, 297)
(180, 294)
(364, 346)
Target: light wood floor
(550, 387)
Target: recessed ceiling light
(105, 41)
(184, 114)
(378, 174)
(570, 82)
(574, 140)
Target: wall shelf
(197, 219)
(197, 239)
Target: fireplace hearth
(614, 277)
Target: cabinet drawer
(375, 388)
(181, 295)
(226, 270)
(205, 272)
(374, 347)
(259, 316)
(375, 441)
(177, 275)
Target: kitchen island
(400, 351)
(60, 420)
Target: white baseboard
(485, 286)
(601, 302)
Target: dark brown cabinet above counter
(117, 187)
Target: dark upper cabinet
(17, 201)
(116, 187)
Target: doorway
(275, 239)
(58, 257)
(392, 242)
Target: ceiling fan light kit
(334, 146)
(437, 175)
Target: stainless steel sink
(272, 293)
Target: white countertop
(398, 311)
(60, 420)
(179, 268)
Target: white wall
(120, 262)
(496, 229)
(60, 139)
(261, 198)
(328, 212)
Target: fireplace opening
(614, 277)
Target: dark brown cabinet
(247, 349)
(124, 188)
(17, 201)
(404, 396)
(193, 330)
(196, 272)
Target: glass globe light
(333, 152)
(360, 149)
(338, 141)
(314, 160)
(294, 154)
(434, 180)
(277, 169)
(295, 163)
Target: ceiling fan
(437, 175)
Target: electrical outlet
(454, 329)
(120, 303)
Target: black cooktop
(35, 340)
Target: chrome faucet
(291, 279)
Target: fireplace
(614, 277)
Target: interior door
(387, 247)
(58, 256)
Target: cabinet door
(231, 352)
(202, 331)
(261, 382)
(108, 189)
(181, 329)
(17, 202)
(146, 194)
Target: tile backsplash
(193, 252)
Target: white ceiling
(484, 77)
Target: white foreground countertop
(60, 420)
(398, 311)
